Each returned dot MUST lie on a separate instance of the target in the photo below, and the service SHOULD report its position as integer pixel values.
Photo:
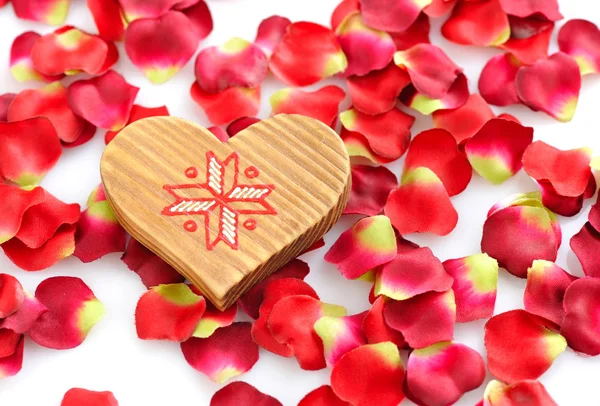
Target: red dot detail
(190, 226)
(250, 224)
(191, 172)
(251, 172)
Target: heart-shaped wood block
(226, 215)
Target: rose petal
(104, 101)
(322, 396)
(417, 33)
(477, 23)
(88, 132)
(496, 151)
(5, 101)
(72, 312)
(322, 104)
(441, 374)
(530, 45)
(78, 397)
(394, 16)
(137, 113)
(342, 10)
(219, 133)
(240, 124)
(109, 18)
(24, 319)
(547, 8)
(11, 295)
(151, 269)
(14, 202)
(371, 186)
(497, 80)
(340, 335)
(438, 8)
(475, 286)
(457, 96)
(585, 245)
(53, 12)
(369, 375)
(370, 242)
(11, 365)
(199, 15)
(270, 32)
(227, 353)
(580, 39)
(307, 53)
(376, 328)
(424, 319)
(134, 9)
(525, 392)
(551, 85)
(21, 65)
(421, 204)
(464, 122)
(213, 319)
(9, 341)
(580, 326)
(229, 105)
(521, 345)
(240, 393)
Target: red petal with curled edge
(438, 8)
(546, 8)
(219, 133)
(340, 335)
(376, 328)
(8, 342)
(200, 16)
(546, 286)
(580, 325)
(79, 397)
(527, 392)
(41, 221)
(227, 353)
(531, 48)
(393, 16)
(594, 214)
(369, 243)
(11, 365)
(367, 49)
(134, 9)
(465, 121)
(580, 39)
(28, 150)
(562, 205)
(388, 134)
(50, 102)
(168, 312)
(14, 202)
(21, 65)
(369, 375)
(320, 243)
(89, 130)
(441, 374)
(377, 92)
(477, 23)
(307, 53)
(552, 85)
(213, 319)
(137, 113)
(516, 236)
(72, 312)
(421, 204)
(496, 151)
(24, 319)
(291, 322)
(322, 104)
(521, 345)
(274, 292)
(270, 32)
(567, 171)
(104, 101)
(410, 274)
(437, 150)
(586, 247)
(251, 301)
(342, 10)
(53, 12)
(418, 62)
(457, 96)
(371, 186)
(109, 18)
(5, 101)
(418, 33)
(228, 105)
(424, 319)
(237, 63)
(497, 80)
(151, 269)
(174, 40)
(11, 295)
(240, 393)
(240, 124)
(322, 396)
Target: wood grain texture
(303, 162)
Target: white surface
(155, 373)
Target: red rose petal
(421, 204)
(168, 312)
(199, 15)
(72, 312)
(340, 335)
(8, 342)
(551, 85)
(464, 122)
(376, 328)
(23, 320)
(547, 8)
(14, 202)
(322, 104)
(438, 8)
(417, 33)
(342, 10)
(5, 101)
(227, 353)
(424, 319)
(89, 130)
(53, 12)
(371, 186)
(213, 319)
(28, 150)
(237, 63)
(109, 18)
(580, 325)
(11, 365)
(369, 375)
(497, 80)
(79, 397)
(137, 113)
(104, 101)
(481, 23)
(240, 124)
(322, 396)
(270, 32)
(436, 149)
(585, 245)
(11, 295)
(134, 9)
(441, 374)
(240, 393)
(394, 16)
(457, 96)
(530, 45)
(228, 105)
(219, 133)
(251, 301)
(527, 392)
(580, 39)
(307, 53)
(521, 345)
(21, 65)
(151, 269)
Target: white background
(155, 373)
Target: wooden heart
(226, 215)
